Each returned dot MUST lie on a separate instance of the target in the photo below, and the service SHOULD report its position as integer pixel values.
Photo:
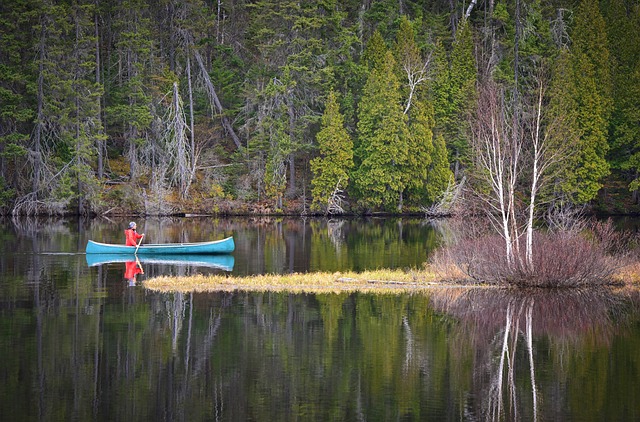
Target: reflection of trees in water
(335, 233)
(496, 321)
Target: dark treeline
(164, 106)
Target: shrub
(560, 259)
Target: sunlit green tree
(384, 140)
(331, 168)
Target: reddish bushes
(560, 259)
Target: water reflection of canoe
(223, 262)
(223, 246)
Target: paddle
(138, 245)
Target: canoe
(222, 262)
(223, 246)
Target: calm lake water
(79, 342)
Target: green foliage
(331, 168)
(623, 34)
(272, 137)
(420, 152)
(438, 175)
(581, 99)
(383, 140)
(453, 93)
(80, 77)
(375, 52)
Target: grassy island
(391, 281)
(375, 281)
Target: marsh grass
(377, 281)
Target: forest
(161, 107)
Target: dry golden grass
(629, 274)
(378, 281)
(381, 281)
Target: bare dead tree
(176, 145)
(336, 200)
(446, 204)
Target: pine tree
(383, 140)
(331, 168)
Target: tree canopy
(198, 106)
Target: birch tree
(512, 164)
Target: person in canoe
(131, 235)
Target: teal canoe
(223, 246)
(218, 261)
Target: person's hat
(132, 225)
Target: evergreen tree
(439, 175)
(331, 168)
(412, 68)
(440, 91)
(69, 123)
(272, 139)
(129, 102)
(17, 108)
(589, 37)
(383, 140)
(563, 108)
(589, 62)
(420, 152)
(375, 52)
(623, 31)
(460, 91)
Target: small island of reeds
(391, 281)
(375, 281)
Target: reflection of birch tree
(495, 321)
(495, 407)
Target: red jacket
(132, 237)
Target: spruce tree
(460, 91)
(591, 80)
(439, 175)
(420, 147)
(129, 100)
(331, 168)
(17, 108)
(383, 149)
(623, 32)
